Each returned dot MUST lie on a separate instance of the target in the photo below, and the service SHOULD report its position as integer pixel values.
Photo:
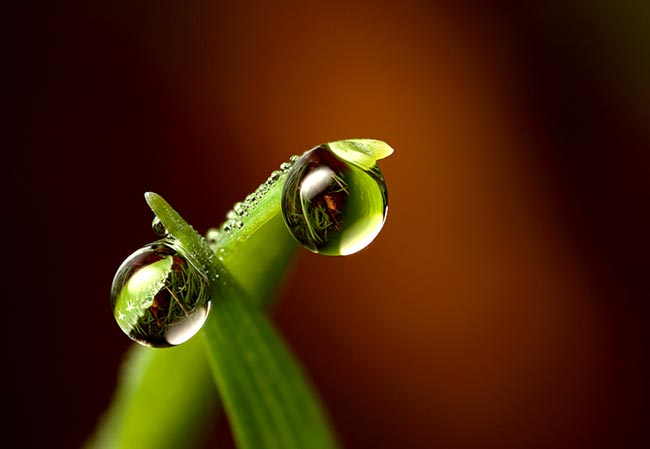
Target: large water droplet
(331, 206)
(159, 296)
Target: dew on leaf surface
(158, 227)
(333, 206)
(160, 298)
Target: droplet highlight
(160, 298)
(332, 206)
(213, 236)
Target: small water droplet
(232, 215)
(241, 209)
(275, 175)
(294, 158)
(331, 206)
(285, 166)
(239, 224)
(159, 296)
(158, 227)
(213, 236)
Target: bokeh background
(504, 304)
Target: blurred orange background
(503, 305)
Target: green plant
(165, 396)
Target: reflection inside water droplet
(158, 227)
(331, 206)
(159, 297)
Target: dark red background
(504, 303)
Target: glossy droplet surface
(159, 297)
(331, 206)
(158, 227)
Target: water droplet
(158, 227)
(275, 175)
(239, 224)
(213, 236)
(241, 209)
(285, 166)
(232, 215)
(159, 296)
(331, 206)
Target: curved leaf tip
(362, 152)
(150, 197)
(377, 148)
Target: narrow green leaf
(362, 152)
(164, 400)
(261, 263)
(269, 402)
(165, 397)
(264, 208)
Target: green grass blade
(269, 402)
(262, 206)
(133, 419)
(163, 400)
(261, 263)
(156, 387)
